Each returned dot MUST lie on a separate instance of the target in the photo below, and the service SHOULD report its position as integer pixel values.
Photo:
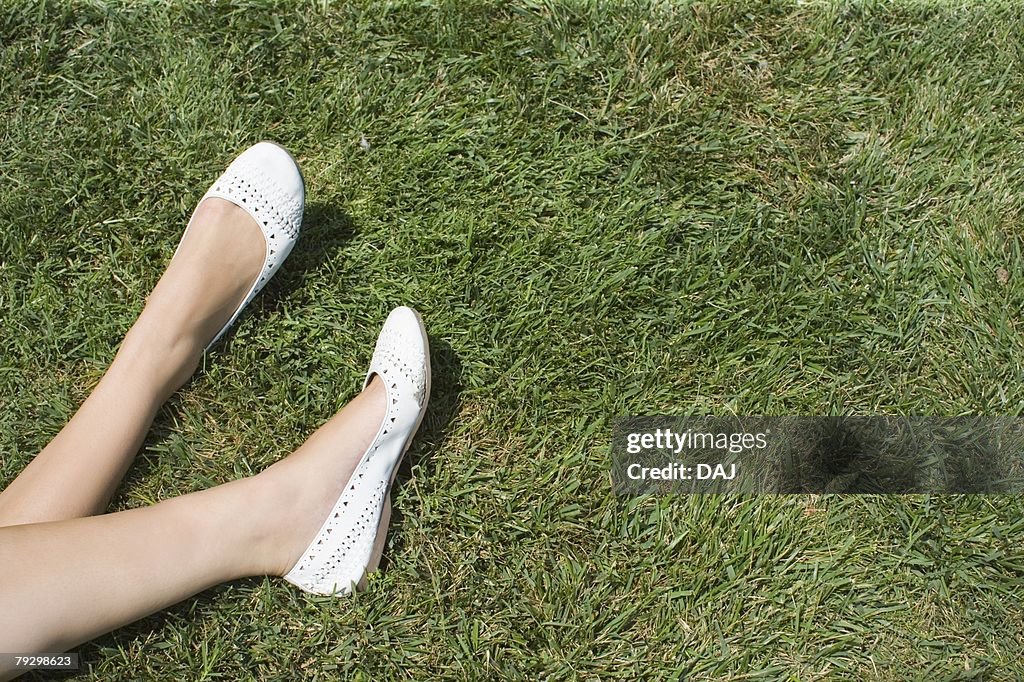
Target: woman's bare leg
(66, 582)
(77, 473)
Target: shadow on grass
(146, 630)
(445, 398)
(325, 231)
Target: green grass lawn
(627, 208)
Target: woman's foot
(242, 230)
(215, 266)
(300, 490)
(326, 506)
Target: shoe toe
(402, 356)
(275, 161)
(403, 339)
(403, 320)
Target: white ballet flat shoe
(344, 549)
(265, 181)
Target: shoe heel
(378, 544)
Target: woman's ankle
(155, 361)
